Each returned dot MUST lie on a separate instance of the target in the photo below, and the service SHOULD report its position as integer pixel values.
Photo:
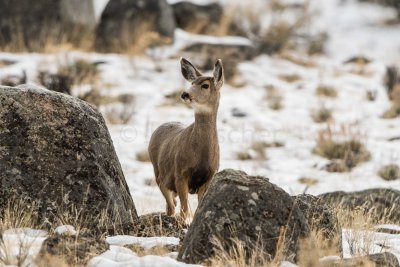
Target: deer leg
(202, 190)
(183, 192)
(169, 198)
(174, 195)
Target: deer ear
(189, 72)
(218, 74)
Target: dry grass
(274, 98)
(325, 90)
(133, 40)
(49, 40)
(278, 34)
(244, 155)
(371, 95)
(143, 156)
(238, 255)
(348, 152)
(308, 181)
(257, 150)
(322, 114)
(315, 247)
(122, 112)
(389, 172)
(290, 78)
(80, 71)
(392, 112)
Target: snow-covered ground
(354, 29)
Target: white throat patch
(201, 108)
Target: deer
(186, 158)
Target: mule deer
(185, 159)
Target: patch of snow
(65, 229)
(363, 242)
(145, 242)
(123, 257)
(287, 264)
(20, 243)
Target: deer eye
(204, 86)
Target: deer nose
(185, 95)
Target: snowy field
(354, 29)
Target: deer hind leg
(183, 192)
(171, 202)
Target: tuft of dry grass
(273, 98)
(308, 181)
(392, 112)
(244, 155)
(322, 114)
(325, 90)
(81, 71)
(389, 172)
(143, 156)
(237, 255)
(290, 78)
(371, 95)
(348, 152)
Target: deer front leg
(202, 190)
(183, 192)
(171, 203)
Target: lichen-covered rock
(35, 24)
(321, 219)
(56, 155)
(123, 22)
(385, 259)
(246, 208)
(198, 18)
(378, 203)
(74, 250)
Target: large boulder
(323, 221)
(385, 259)
(35, 24)
(250, 209)
(56, 155)
(197, 18)
(124, 22)
(378, 203)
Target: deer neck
(205, 124)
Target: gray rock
(380, 203)
(247, 208)
(385, 259)
(35, 24)
(202, 18)
(122, 21)
(56, 154)
(321, 219)
(74, 250)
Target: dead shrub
(392, 112)
(346, 153)
(322, 114)
(273, 98)
(290, 78)
(325, 90)
(143, 156)
(80, 71)
(389, 172)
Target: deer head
(204, 93)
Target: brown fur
(185, 159)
